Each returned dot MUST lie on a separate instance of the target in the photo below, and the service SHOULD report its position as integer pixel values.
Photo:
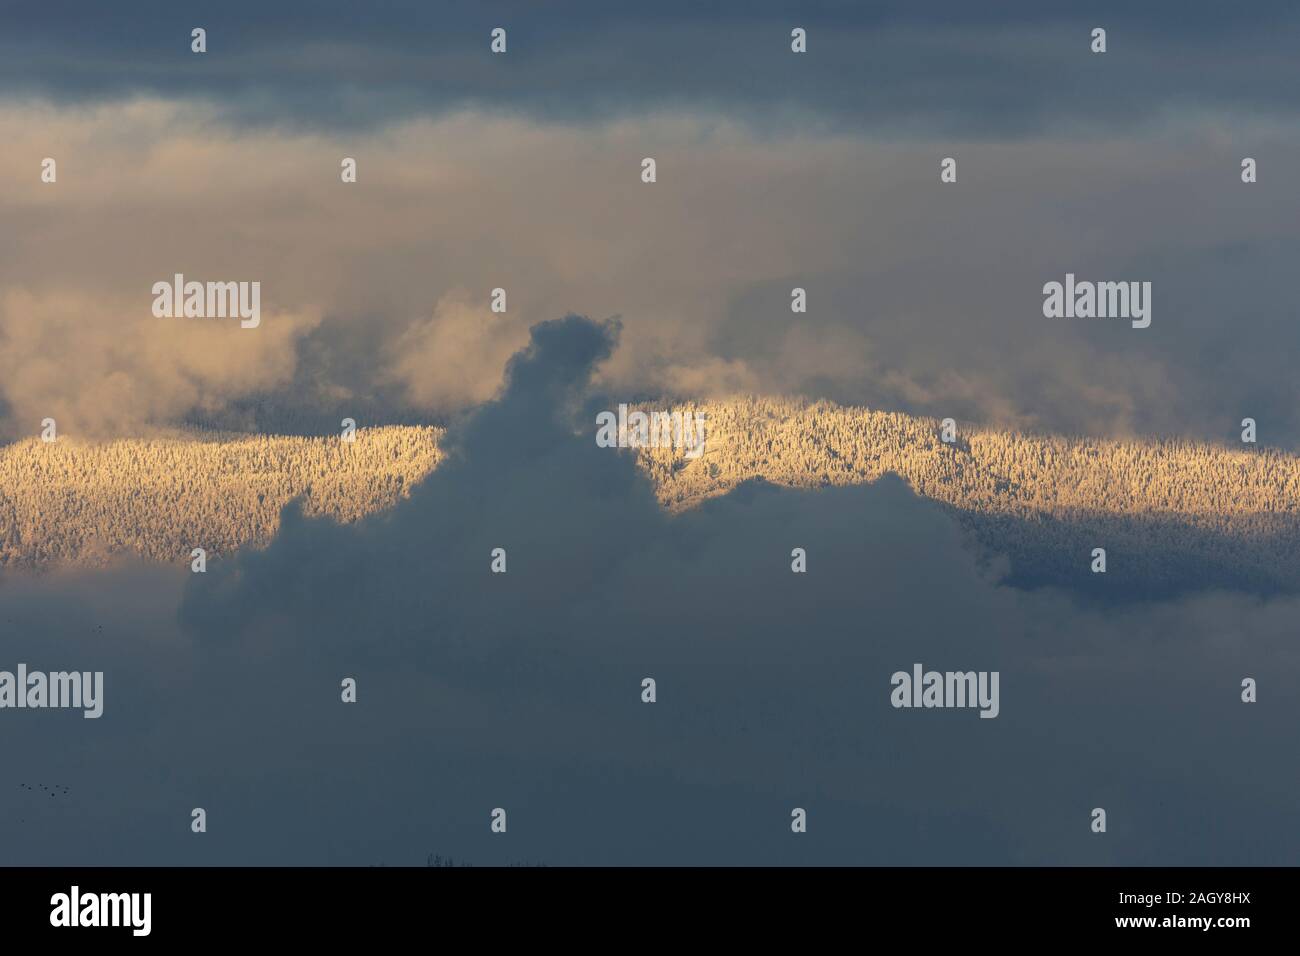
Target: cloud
(480, 340)
(938, 68)
(99, 369)
(918, 292)
(522, 690)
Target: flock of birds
(52, 791)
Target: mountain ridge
(1193, 511)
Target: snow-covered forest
(76, 502)
(1170, 513)
(1164, 510)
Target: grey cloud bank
(522, 690)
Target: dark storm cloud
(954, 67)
(479, 690)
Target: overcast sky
(522, 171)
